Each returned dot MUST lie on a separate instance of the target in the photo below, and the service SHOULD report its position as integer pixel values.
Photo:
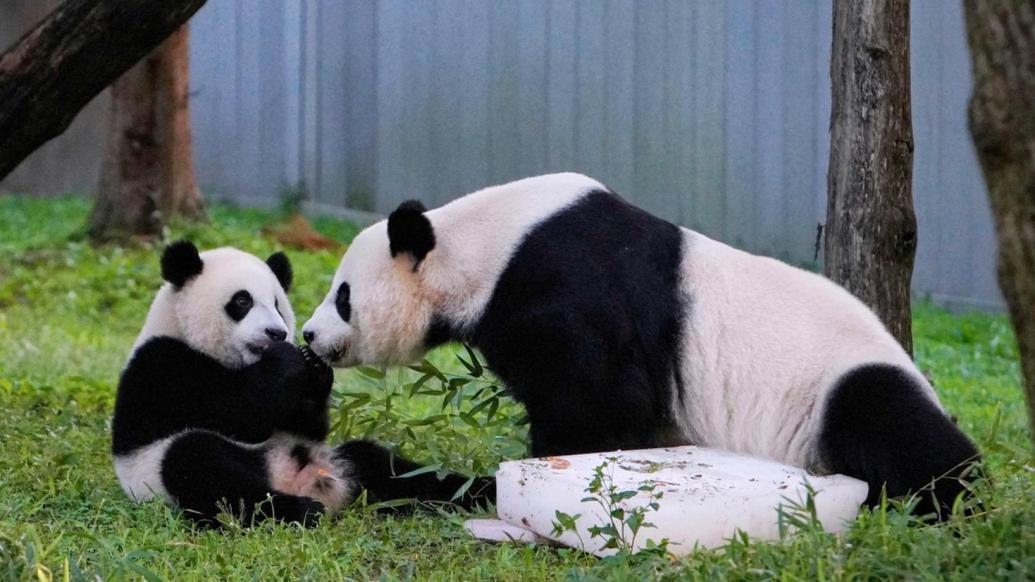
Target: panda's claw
(308, 354)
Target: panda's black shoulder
(161, 361)
(163, 352)
(161, 387)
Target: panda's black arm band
(174, 388)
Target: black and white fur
(216, 412)
(619, 330)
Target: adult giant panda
(619, 330)
(216, 412)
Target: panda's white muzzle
(264, 326)
(327, 334)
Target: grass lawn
(69, 313)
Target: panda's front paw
(291, 509)
(284, 369)
(321, 376)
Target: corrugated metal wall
(710, 113)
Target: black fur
(584, 324)
(208, 474)
(281, 266)
(439, 332)
(181, 262)
(168, 388)
(409, 231)
(239, 305)
(879, 427)
(301, 454)
(378, 470)
(342, 301)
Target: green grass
(69, 313)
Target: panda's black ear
(180, 262)
(281, 267)
(409, 231)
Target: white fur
(140, 472)
(764, 341)
(764, 344)
(392, 306)
(195, 314)
(324, 479)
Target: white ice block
(708, 495)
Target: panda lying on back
(619, 330)
(216, 412)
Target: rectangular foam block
(708, 496)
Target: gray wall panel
(711, 113)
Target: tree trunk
(148, 172)
(1002, 122)
(79, 49)
(870, 233)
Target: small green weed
(622, 520)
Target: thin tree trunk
(125, 202)
(179, 195)
(148, 172)
(1002, 122)
(53, 71)
(870, 232)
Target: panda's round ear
(281, 267)
(409, 231)
(181, 262)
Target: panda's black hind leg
(878, 426)
(378, 471)
(207, 475)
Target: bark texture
(870, 232)
(148, 172)
(1002, 122)
(57, 67)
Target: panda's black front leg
(308, 417)
(378, 470)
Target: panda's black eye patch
(239, 305)
(341, 302)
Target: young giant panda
(619, 330)
(217, 412)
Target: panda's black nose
(275, 334)
(308, 336)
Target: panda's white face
(234, 309)
(376, 311)
(231, 310)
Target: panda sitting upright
(216, 412)
(619, 330)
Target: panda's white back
(764, 342)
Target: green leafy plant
(622, 520)
(466, 421)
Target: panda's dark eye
(341, 302)
(239, 305)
